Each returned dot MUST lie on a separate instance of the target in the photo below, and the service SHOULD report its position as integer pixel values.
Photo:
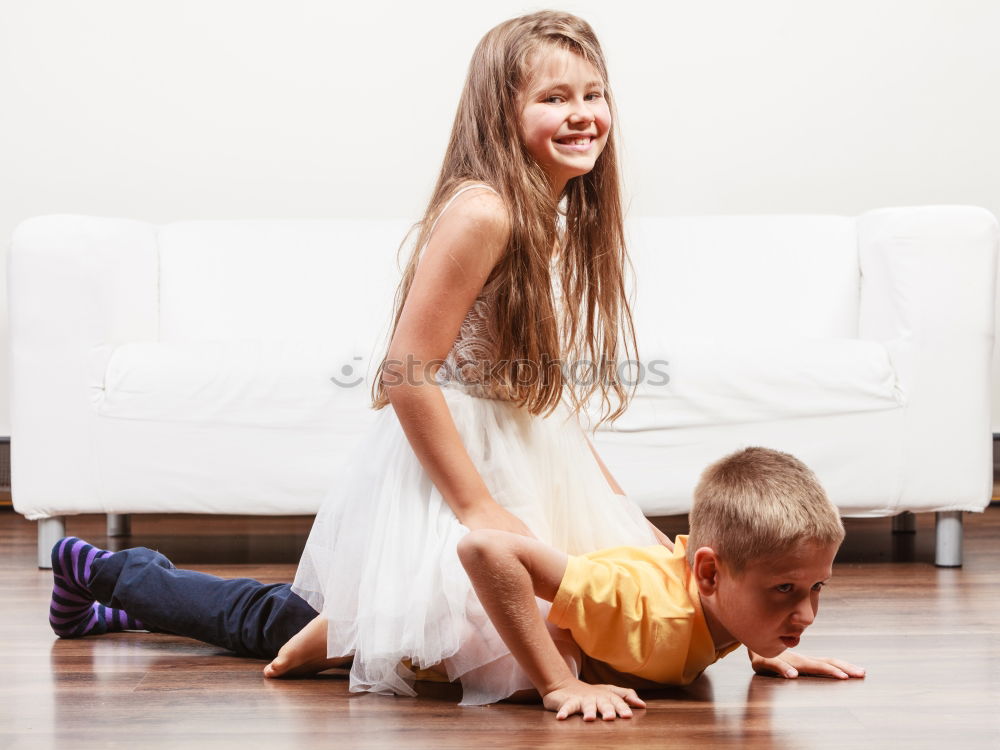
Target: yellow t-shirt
(636, 611)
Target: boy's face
(773, 600)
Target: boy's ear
(706, 570)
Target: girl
(514, 295)
(508, 320)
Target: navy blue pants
(239, 614)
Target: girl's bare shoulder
(481, 205)
(478, 217)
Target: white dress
(381, 562)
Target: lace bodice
(475, 349)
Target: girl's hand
(492, 515)
(580, 698)
(790, 665)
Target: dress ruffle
(381, 561)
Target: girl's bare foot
(305, 653)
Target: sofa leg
(50, 531)
(948, 549)
(119, 524)
(904, 523)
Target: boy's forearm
(507, 593)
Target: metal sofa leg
(119, 524)
(904, 523)
(948, 548)
(50, 531)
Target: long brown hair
(539, 356)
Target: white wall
(304, 108)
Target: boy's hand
(580, 698)
(790, 665)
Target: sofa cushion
(277, 384)
(714, 382)
(290, 384)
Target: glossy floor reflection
(929, 637)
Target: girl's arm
(468, 241)
(607, 474)
(660, 536)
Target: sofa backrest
(744, 277)
(789, 277)
(279, 280)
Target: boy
(758, 515)
(762, 543)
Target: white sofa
(187, 367)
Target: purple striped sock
(73, 612)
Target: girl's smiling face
(565, 119)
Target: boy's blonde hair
(757, 503)
(535, 341)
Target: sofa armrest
(77, 287)
(927, 293)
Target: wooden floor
(929, 637)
